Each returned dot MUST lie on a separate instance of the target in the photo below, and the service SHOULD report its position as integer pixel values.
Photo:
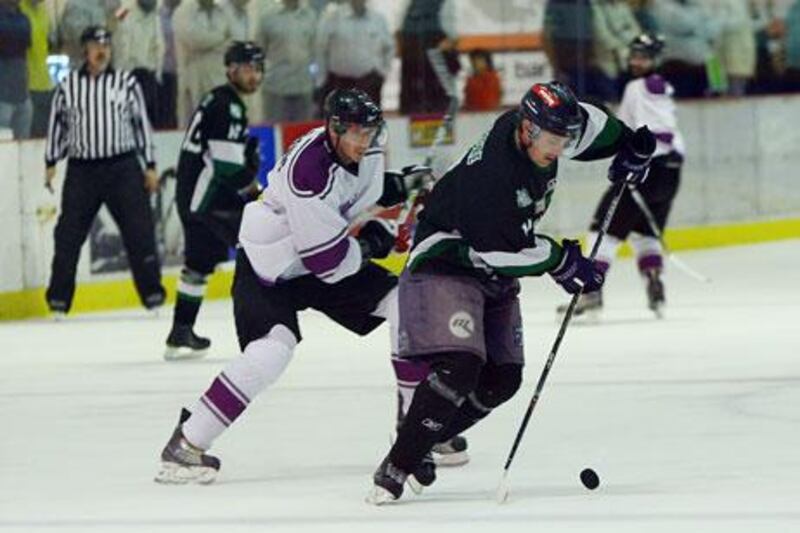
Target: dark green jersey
(211, 169)
(480, 217)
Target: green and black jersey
(480, 217)
(211, 168)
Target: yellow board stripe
(107, 295)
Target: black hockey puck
(589, 478)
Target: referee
(99, 122)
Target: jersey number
(192, 141)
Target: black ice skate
(655, 292)
(424, 475)
(589, 305)
(182, 462)
(388, 484)
(451, 453)
(183, 343)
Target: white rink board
(691, 422)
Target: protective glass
(551, 141)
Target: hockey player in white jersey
(296, 252)
(647, 101)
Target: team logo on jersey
(523, 198)
(462, 325)
(236, 111)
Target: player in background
(458, 297)
(216, 176)
(647, 101)
(296, 252)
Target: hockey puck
(589, 478)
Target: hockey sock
(436, 399)
(261, 364)
(191, 290)
(497, 385)
(607, 250)
(408, 373)
(649, 252)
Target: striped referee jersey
(96, 117)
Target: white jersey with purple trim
(649, 101)
(301, 223)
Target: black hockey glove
(632, 162)
(576, 271)
(376, 238)
(397, 184)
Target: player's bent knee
(263, 361)
(457, 371)
(499, 385)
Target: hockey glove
(397, 184)
(632, 162)
(576, 271)
(376, 238)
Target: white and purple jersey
(301, 223)
(648, 101)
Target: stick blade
(501, 496)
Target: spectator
(139, 48)
(567, 36)
(77, 16)
(770, 31)
(482, 91)
(736, 43)
(237, 10)
(40, 86)
(689, 32)
(641, 10)
(793, 47)
(15, 39)
(203, 31)
(426, 86)
(613, 28)
(287, 36)
(168, 88)
(354, 49)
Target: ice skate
(182, 462)
(655, 292)
(388, 484)
(451, 453)
(183, 343)
(589, 306)
(424, 475)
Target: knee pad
(454, 375)
(497, 385)
(263, 361)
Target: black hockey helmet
(97, 34)
(648, 44)
(351, 106)
(243, 53)
(552, 107)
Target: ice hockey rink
(692, 422)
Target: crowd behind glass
(174, 48)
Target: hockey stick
(502, 488)
(651, 221)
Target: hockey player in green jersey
(216, 177)
(458, 297)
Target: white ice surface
(692, 422)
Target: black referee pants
(119, 184)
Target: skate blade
(451, 459)
(175, 353)
(175, 474)
(589, 316)
(379, 496)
